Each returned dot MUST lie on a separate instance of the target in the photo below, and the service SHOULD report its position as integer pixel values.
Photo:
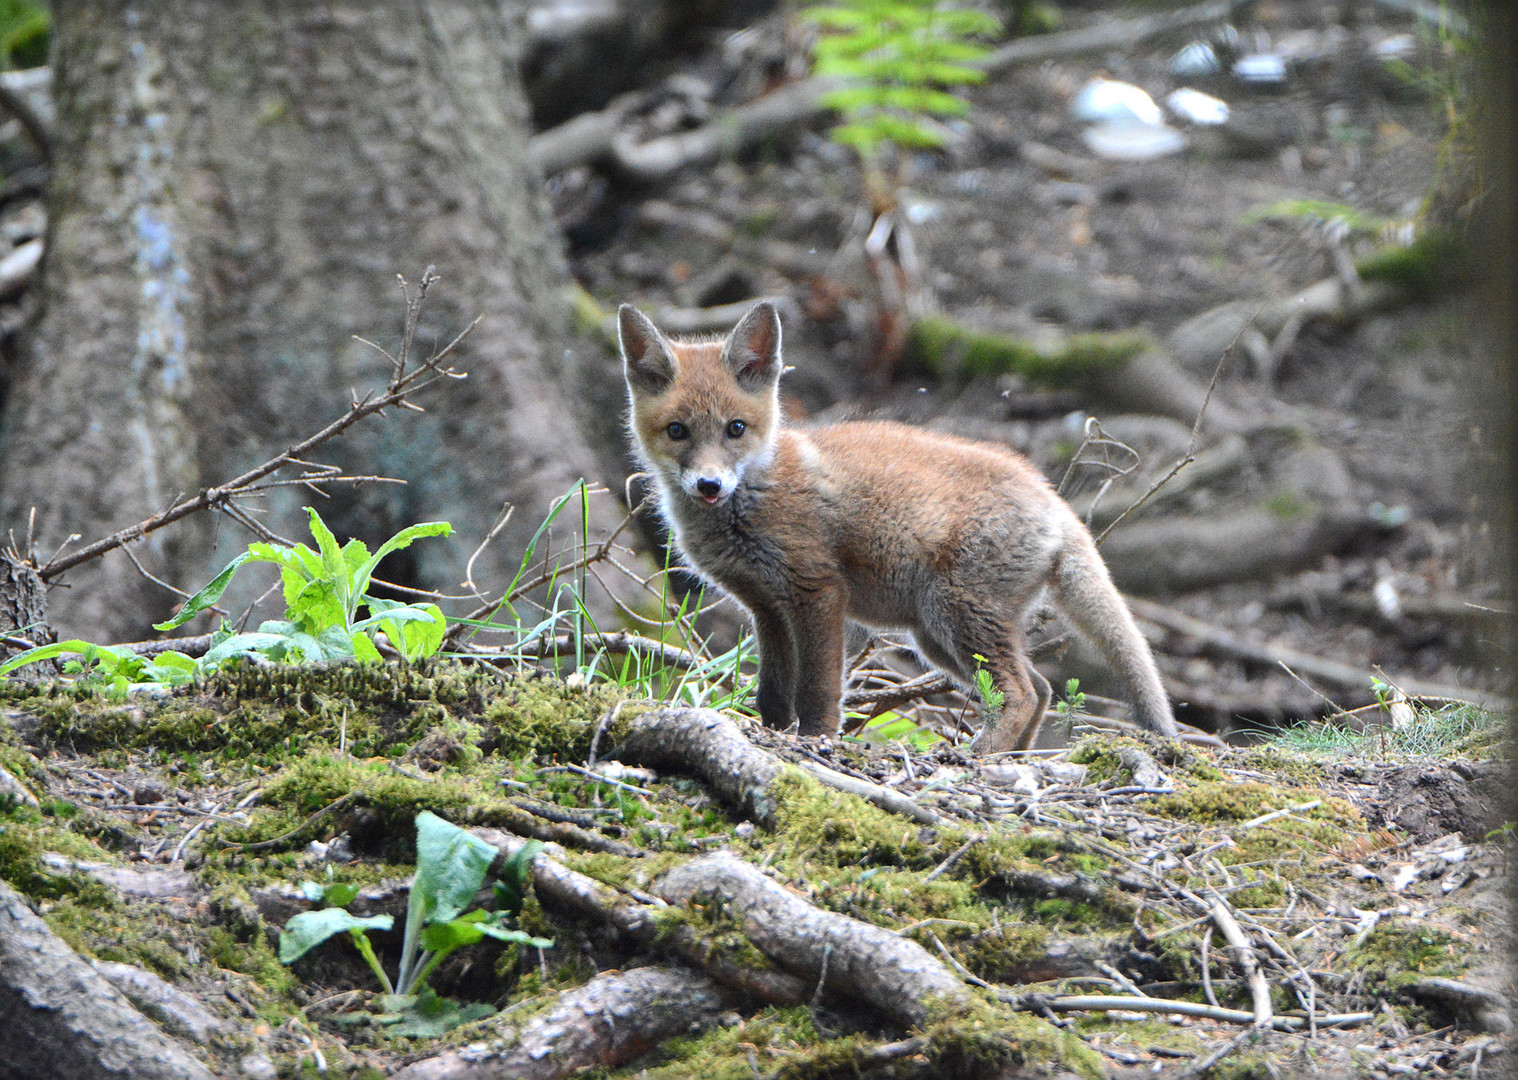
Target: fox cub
(883, 524)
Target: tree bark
(59, 1017)
(234, 189)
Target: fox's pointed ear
(647, 361)
(752, 352)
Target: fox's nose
(708, 488)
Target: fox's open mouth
(711, 500)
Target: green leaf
(309, 929)
(340, 894)
(106, 654)
(363, 648)
(511, 884)
(415, 629)
(444, 937)
(206, 596)
(402, 539)
(259, 643)
(450, 866)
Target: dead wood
(704, 742)
(1336, 673)
(61, 1017)
(1266, 329)
(1109, 34)
(609, 1020)
(1185, 553)
(883, 797)
(592, 137)
(848, 957)
(569, 892)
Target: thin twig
(401, 386)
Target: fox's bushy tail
(1084, 591)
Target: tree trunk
(235, 187)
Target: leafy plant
(110, 668)
(900, 61)
(24, 31)
(323, 591)
(324, 588)
(1073, 703)
(450, 868)
(991, 698)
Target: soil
(1021, 229)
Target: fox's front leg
(819, 629)
(777, 669)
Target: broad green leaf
(450, 866)
(309, 929)
(175, 660)
(89, 650)
(206, 596)
(334, 643)
(340, 893)
(511, 883)
(415, 629)
(242, 644)
(444, 937)
(363, 648)
(403, 539)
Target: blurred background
(1208, 263)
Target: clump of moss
(950, 349)
(1399, 952)
(259, 715)
(821, 824)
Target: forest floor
(1361, 438)
(727, 901)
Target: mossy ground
(356, 753)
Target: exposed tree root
(61, 1017)
(704, 742)
(850, 958)
(609, 1020)
(1335, 673)
(567, 891)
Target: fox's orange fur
(880, 523)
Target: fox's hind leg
(1026, 696)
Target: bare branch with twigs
(403, 384)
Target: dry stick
(1196, 429)
(1111, 1003)
(1201, 1067)
(1336, 672)
(1243, 954)
(220, 497)
(590, 137)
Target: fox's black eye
(736, 429)
(677, 431)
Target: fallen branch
(609, 1020)
(1243, 956)
(1223, 642)
(850, 958)
(1167, 1007)
(596, 136)
(883, 797)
